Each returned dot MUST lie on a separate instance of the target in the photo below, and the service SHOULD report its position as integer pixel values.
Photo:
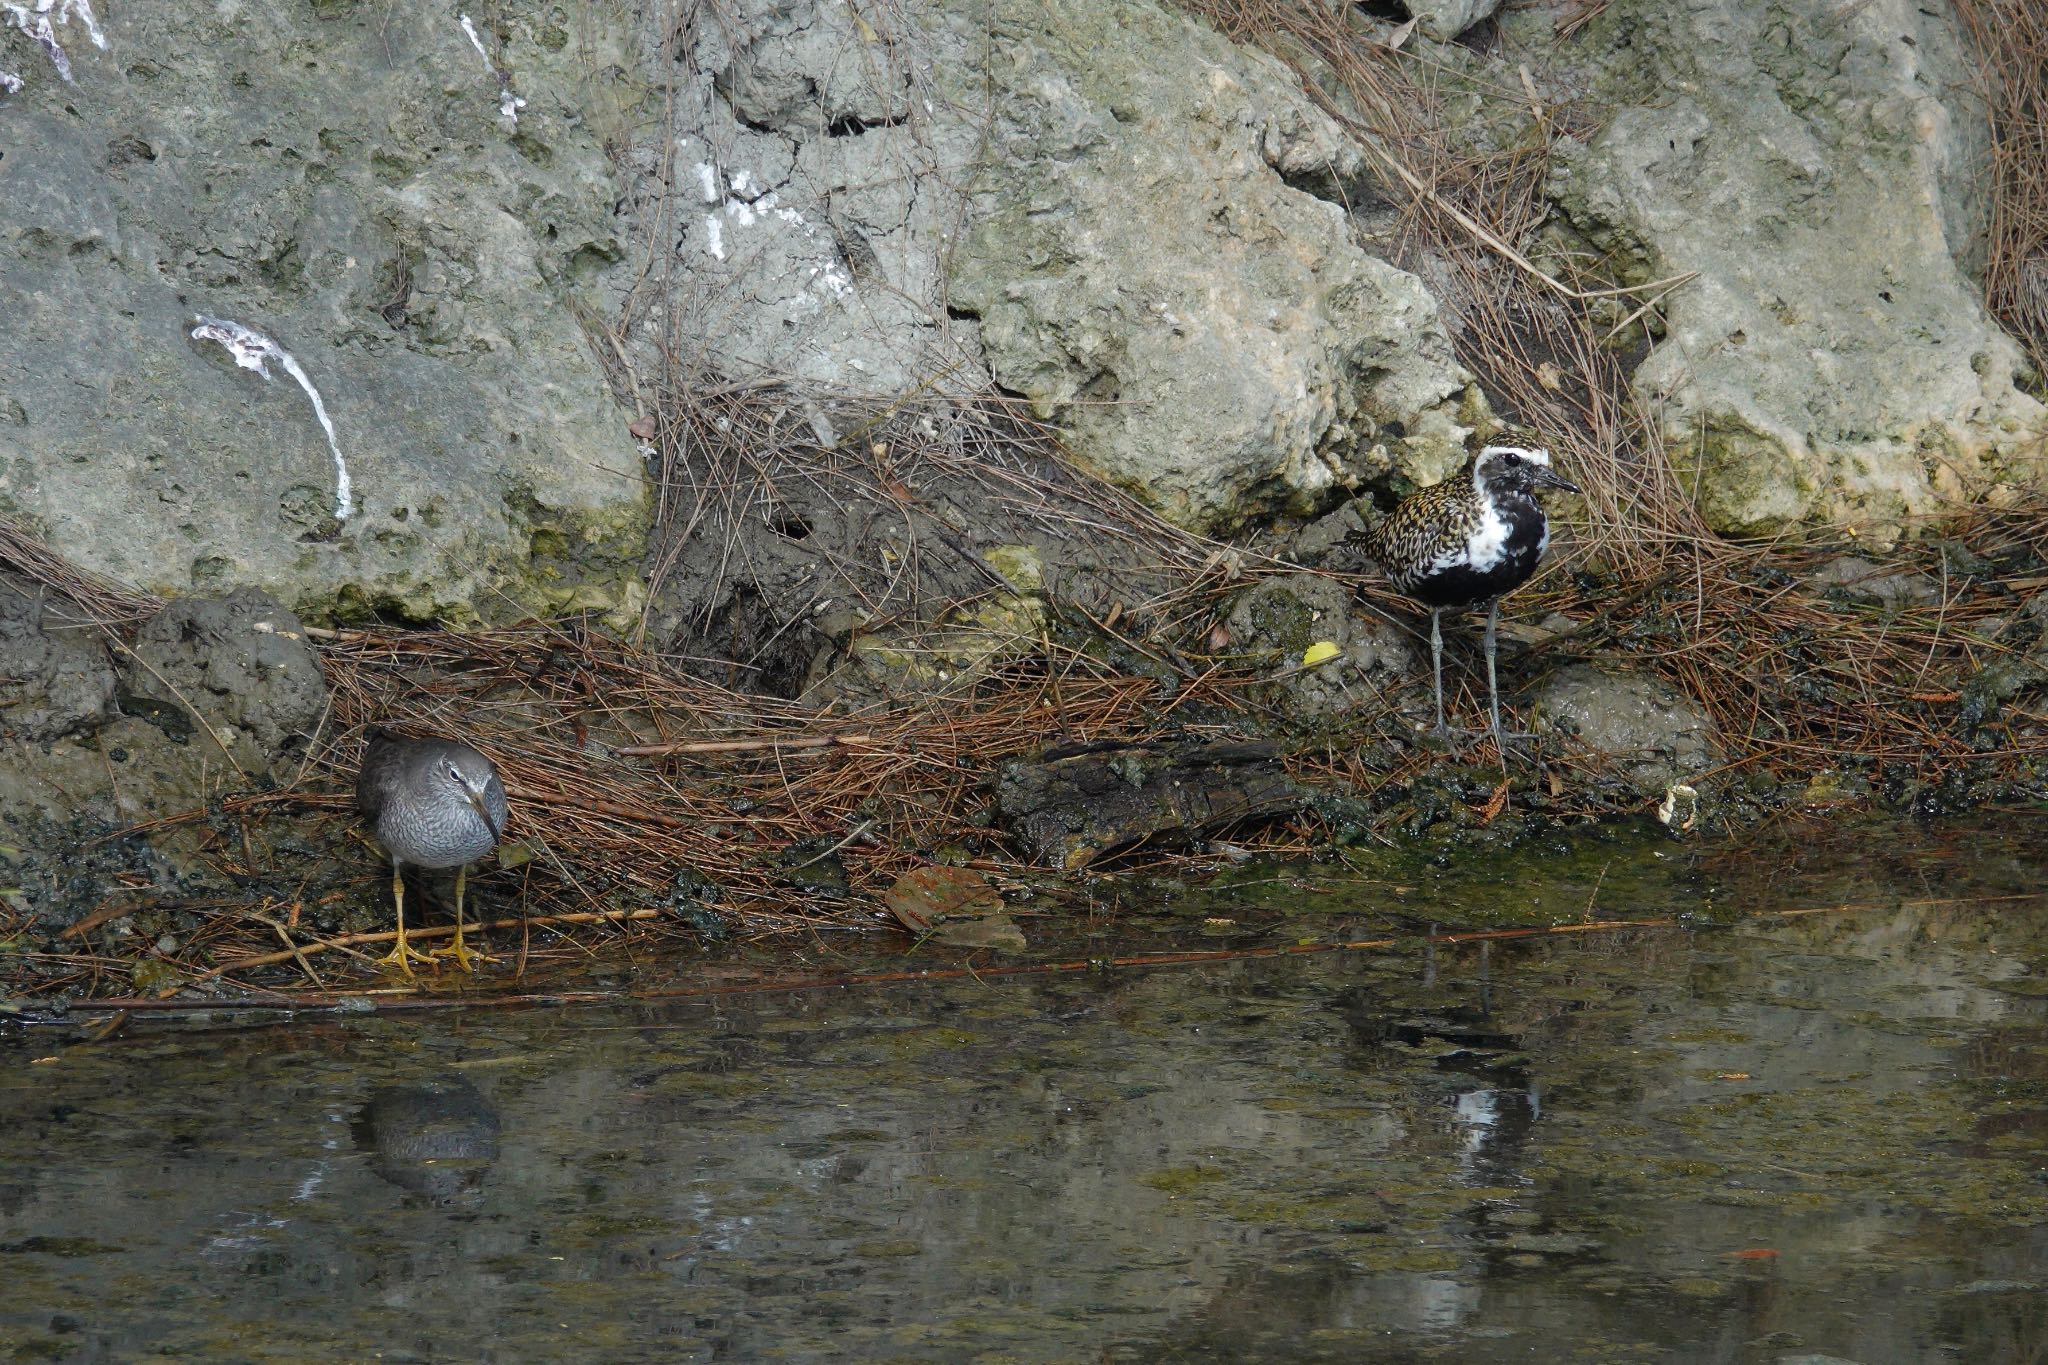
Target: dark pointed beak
(1549, 480)
(483, 813)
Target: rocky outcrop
(1821, 168)
(1140, 247)
(1279, 618)
(808, 178)
(410, 233)
(1151, 269)
(1654, 736)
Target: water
(1778, 1140)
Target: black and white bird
(1464, 543)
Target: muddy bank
(177, 795)
(656, 816)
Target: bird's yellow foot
(465, 957)
(403, 955)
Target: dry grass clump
(80, 597)
(805, 501)
(652, 787)
(2010, 38)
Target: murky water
(1776, 1140)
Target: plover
(1467, 541)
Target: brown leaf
(925, 895)
(642, 427)
(1495, 804)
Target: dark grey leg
(1436, 665)
(1492, 683)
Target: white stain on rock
(509, 101)
(252, 351)
(40, 20)
(747, 204)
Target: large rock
(1147, 273)
(1822, 167)
(1652, 734)
(340, 178)
(239, 666)
(56, 677)
(1444, 20)
(808, 175)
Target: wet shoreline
(1783, 1136)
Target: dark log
(1071, 808)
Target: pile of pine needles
(2010, 43)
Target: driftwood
(1075, 805)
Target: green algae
(1182, 1179)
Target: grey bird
(1466, 542)
(432, 803)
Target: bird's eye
(1512, 457)
(454, 772)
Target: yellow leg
(464, 958)
(402, 954)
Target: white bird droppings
(40, 19)
(252, 350)
(509, 101)
(749, 203)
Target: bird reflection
(437, 1139)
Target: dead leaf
(1495, 804)
(642, 427)
(923, 896)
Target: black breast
(1485, 571)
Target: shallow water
(1773, 1139)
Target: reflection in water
(434, 1138)
(1792, 1137)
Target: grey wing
(379, 771)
